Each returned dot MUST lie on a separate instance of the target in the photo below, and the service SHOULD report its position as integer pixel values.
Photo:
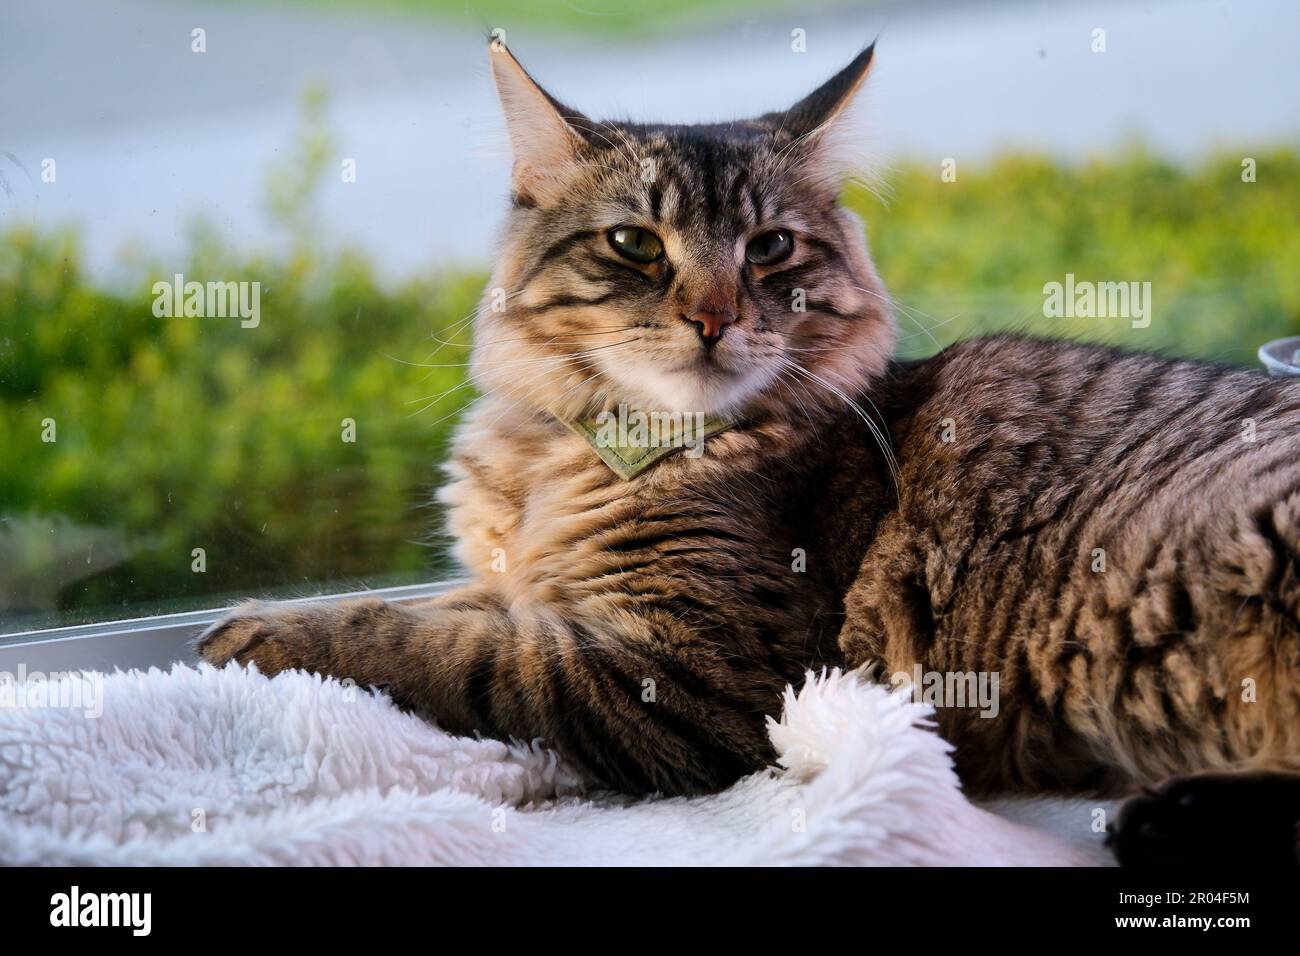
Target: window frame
(157, 641)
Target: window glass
(323, 183)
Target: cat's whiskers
(581, 381)
(469, 364)
(475, 379)
(519, 362)
(907, 311)
(462, 324)
(467, 320)
(550, 363)
(459, 325)
(554, 338)
(923, 331)
(453, 330)
(876, 433)
(585, 365)
(508, 391)
(829, 348)
(796, 386)
(432, 400)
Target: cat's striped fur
(1118, 536)
(645, 627)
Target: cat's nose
(709, 325)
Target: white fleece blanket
(201, 766)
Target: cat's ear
(827, 124)
(542, 135)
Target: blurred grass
(182, 433)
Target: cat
(1116, 537)
(642, 613)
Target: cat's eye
(637, 244)
(770, 247)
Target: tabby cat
(1106, 532)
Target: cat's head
(691, 268)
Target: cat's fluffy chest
(537, 515)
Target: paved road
(147, 134)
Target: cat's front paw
(273, 638)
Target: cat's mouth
(705, 362)
(694, 382)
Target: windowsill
(148, 641)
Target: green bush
(967, 257)
(183, 433)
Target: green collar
(631, 441)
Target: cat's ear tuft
(542, 138)
(823, 105)
(827, 125)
